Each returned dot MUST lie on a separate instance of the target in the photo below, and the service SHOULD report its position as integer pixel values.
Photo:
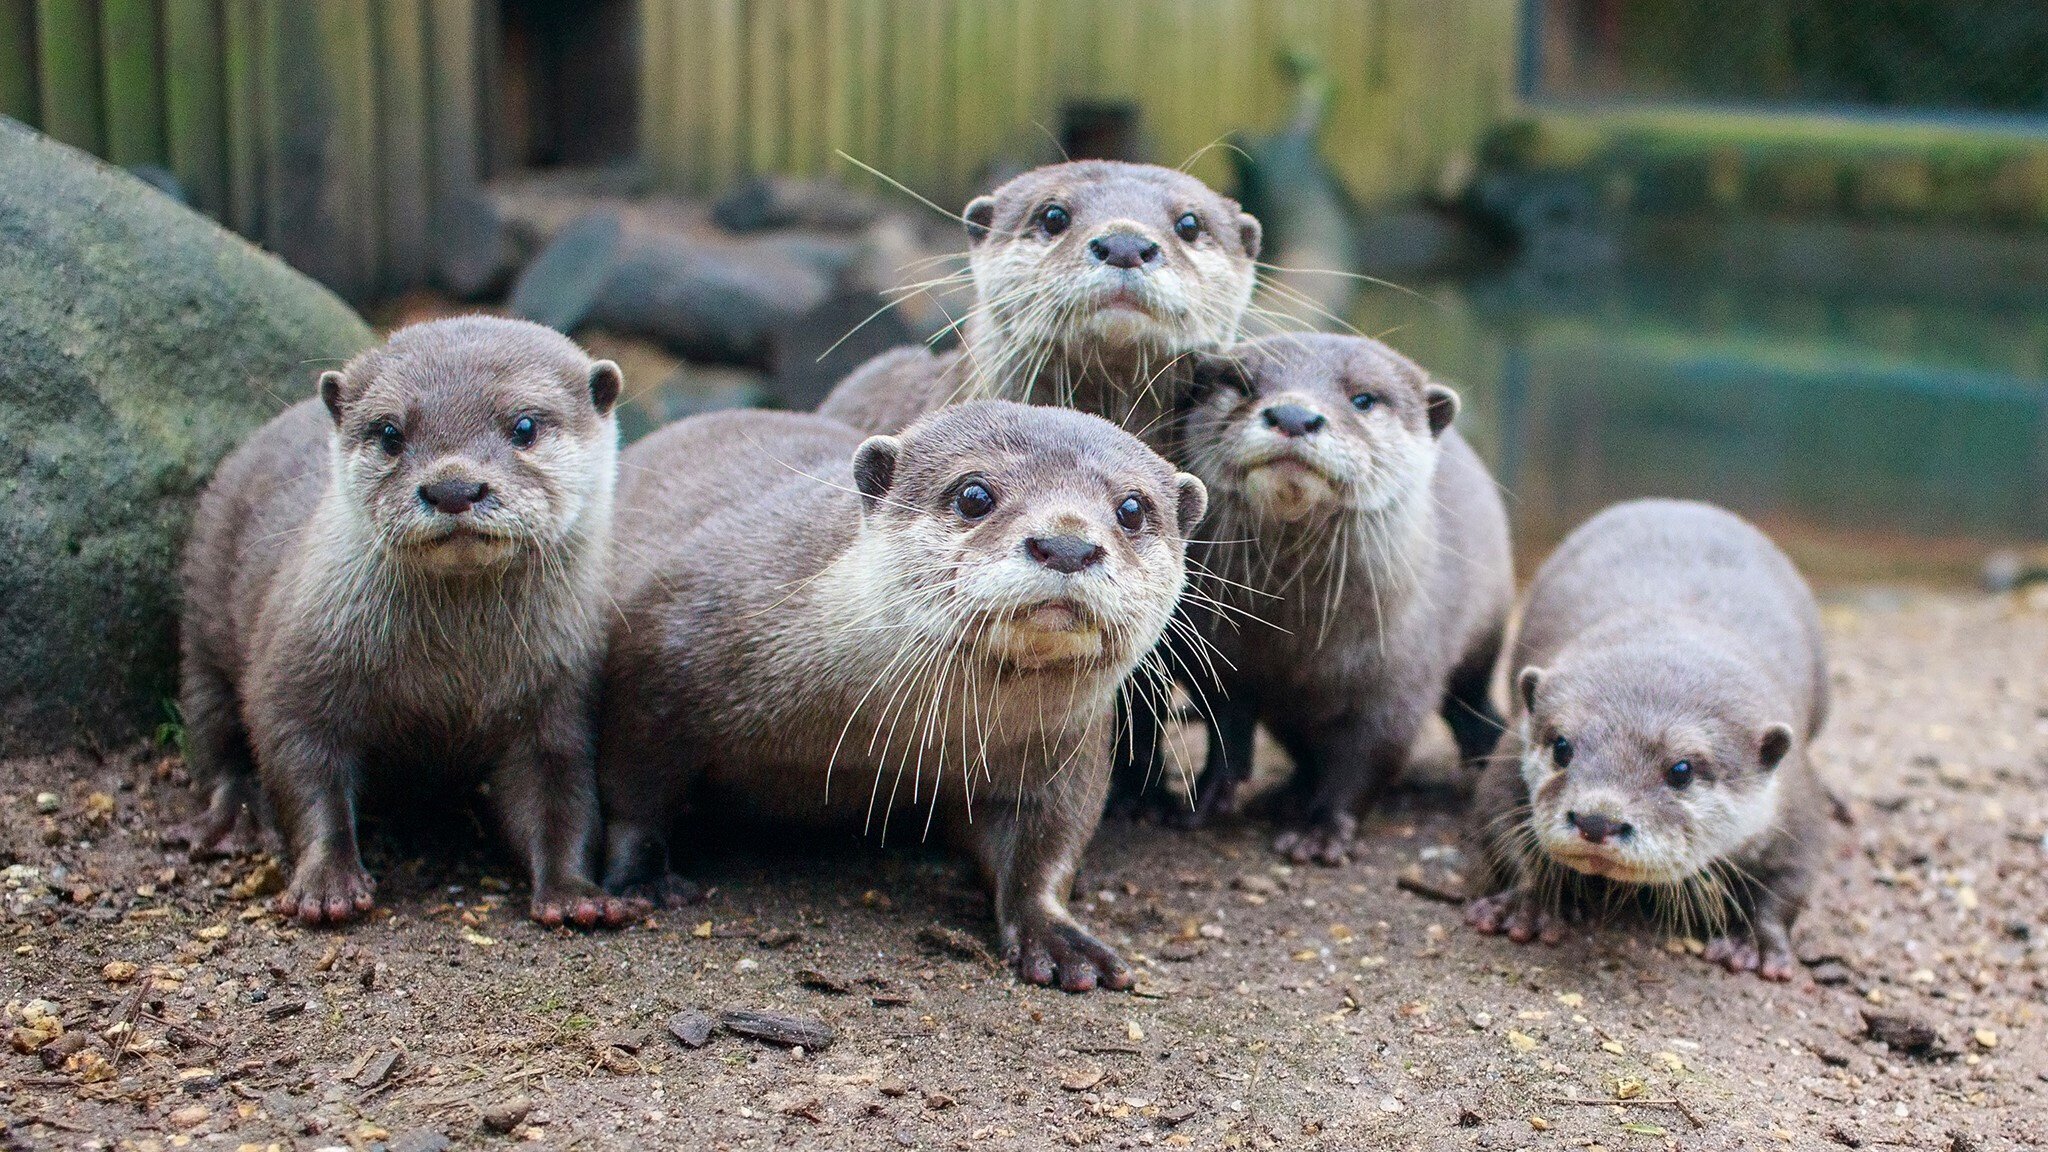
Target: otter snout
(1124, 248)
(1064, 554)
(1598, 828)
(1293, 420)
(453, 497)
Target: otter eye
(523, 431)
(1364, 401)
(1679, 775)
(1188, 227)
(1054, 220)
(974, 502)
(1561, 752)
(1131, 513)
(390, 438)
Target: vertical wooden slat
(131, 71)
(764, 91)
(18, 60)
(728, 91)
(401, 84)
(195, 121)
(801, 66)
(658, 71)
(841, 70)
(68, 72)
(453, 95)
(346, 33)
(242, 43)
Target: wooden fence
(932, 91)
(334, 131)
(328, 130)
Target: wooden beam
(18, 60)
(68, 72)
(195, 121)
(131, 40)
(401, 82)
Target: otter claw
(324, 892)
(1066, 955)
(586, 906)
(1516, 915)
(1327, 843)
(1743, 954)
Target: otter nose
(1123, 249)
(1069, 554)
(452, 497)
(1293, 419)
(1597, 829)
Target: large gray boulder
(138, 343)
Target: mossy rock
(139, 342)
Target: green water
(1902, 422)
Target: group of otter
(953, 598)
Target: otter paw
(1327, 842)
(327, 892)
(1740, 952)
(1516, 915)
(228, 827)
(666, 891)
(1214, 800)
(1066, 955)
(581, 904)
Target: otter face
(1118, 261)
(474, 442)
(1314, 426)
(1635, 769)
(1045, 538)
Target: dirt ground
(1277, 1008)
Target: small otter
(1091, 280)
(1669, 678)
(408, 572)
(817, 629)
(1363, 576)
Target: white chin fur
(1287, 491)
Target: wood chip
(1900, 1032)
(1414, 881)
(823, 982)
(371, 1069)
(953, 942)
(777, 1028)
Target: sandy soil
(1278, 1008)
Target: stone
(139, 342)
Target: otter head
(1303, 427)
(1649, 760)
(474, 442)
(1121, 264)
(1043, 538)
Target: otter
(1669, 676)
(1362, 576)
(819, 628)
(1092, 280)
(408, 573)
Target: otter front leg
(217, 749)
(1233, 734)
(1336, 772)
(546, 791)
(312, 780)
(1028, 851)
(1762, 943)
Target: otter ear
(1776, 743)
(605, 382)
(1249, 233)
(1215, 372)
(1525, 686)
(330, 393)
(980, 217)
(874, 468)
(1194, 501)
(1443, 407)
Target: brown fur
(813, 634)
(1044, 328)
(1661, 631)
(339, 629)
(1361, 575)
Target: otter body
(1668, 677)
(1363, 574)
(908, 635)
(1092, 281)
(409, 573)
